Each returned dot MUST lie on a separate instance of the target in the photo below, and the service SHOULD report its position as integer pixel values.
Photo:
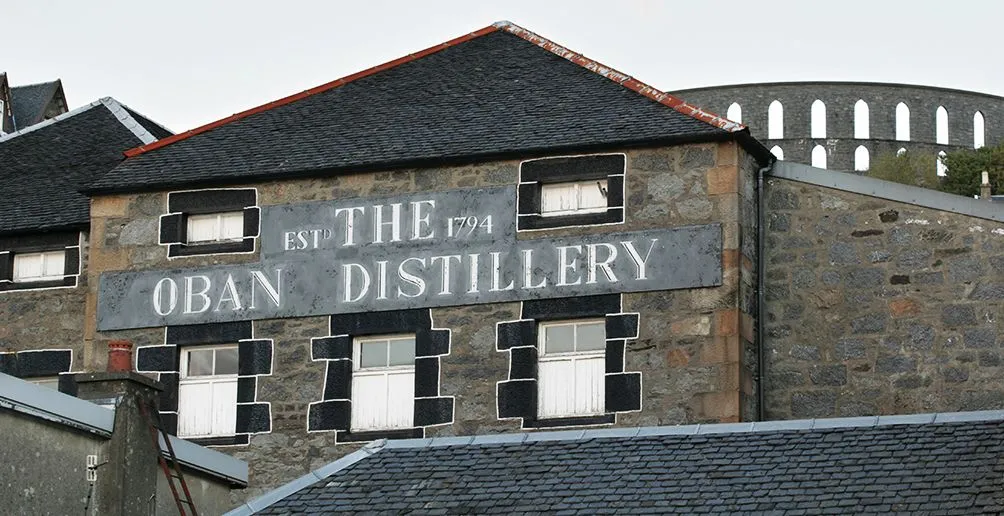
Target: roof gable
(43, 166)
(913, 463)
(499, 91)
(29, 102)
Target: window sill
(600, 419)
(373, 435)
(608, 216)
(67, 281)
(223, 440)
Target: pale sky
(188, 62)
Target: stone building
(499, 235)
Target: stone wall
(879, 307)
(688, 348)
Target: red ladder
(173, 472)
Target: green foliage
(964, 170)
(907, 168)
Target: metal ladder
(172, 472)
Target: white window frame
(224, 427)
(364, 376)
(44, 256)
(218, 224)
(578, 186)
(544, 358)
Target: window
(861, 119)
(941, 125)
(862, 160)
(570, 198)
(775, 121)
(778, 152)
(818, 123)
(383, 383)
(979, 130)
(210, 222)
(571, 191)
(902, 122)
(216, 227)
(735, 113)
(571, 368)
(46, 266)
(207, 392)
(819, 156)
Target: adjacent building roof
(499, 91)
(932, 463)
(29, 102)
(43, 166)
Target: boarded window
(207, 392)
(383, 383)
(862, 160)
(571, 368)
(902, 122)
(216, 227)
(979, 130)
(44, 266)
(735, 113)
(818, 123)
(861, 119)
(775, 121)
(574, 197)
(819, 156)
(941, 125)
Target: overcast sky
(188, 62)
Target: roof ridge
(36, 84)
(622, 79)
(127, 120)
(46, 123)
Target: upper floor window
(575, 197)
(210, 222)
(571, 191)
(571, 368)
(818, 123)
(207, 391)
(861, 119)
(383, 383)
(941, 125)
(735, 113)
(775, 121)
(979, 130)
(902, 122)
(45, 266)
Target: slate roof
(43, 166)
(496, 92)
(28, 102)
(932, 464)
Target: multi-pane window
(207, 392)
(573, 197)
(383, 383)
(216, 227)
(571, 367)
(45, 266)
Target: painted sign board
(426, 250)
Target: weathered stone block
(895, 364)
(958, 315)
(979, 337)
(871, 323)
(813, 404)
(850, 348)
(835, 374)
(863, 278)
(842, 253)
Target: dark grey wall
(840, 97)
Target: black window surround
(67, 241)
(333, 413)
(254, 359)
(180, 205)
(517, 395)
(40, 363)
(533, 174)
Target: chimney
(985, 192)
(128, 483)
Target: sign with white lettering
(438, 249)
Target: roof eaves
(47, 123)
(207, 460)
(45, 403)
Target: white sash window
(571, 368)
(383, 383)
(207, 392)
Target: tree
(908, 168)
(964, 168)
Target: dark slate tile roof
(491, 95)
(43, 167)
(28, 102)
(842, 466)
(158, 131)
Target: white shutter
(54, 263)
(232, 225)
(556, 388)
(27, 266)
(590, 385)
(592, 195)
(195, 408)
(401, 399)
(202, 228)
(224, 407)
(369, 401)
(558, 198)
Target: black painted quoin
(180, 205)
(535, 173)
(334, 411)
(40, 364)
(67, 241)
(517, 396)
(254, 359)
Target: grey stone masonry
(879, 307)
